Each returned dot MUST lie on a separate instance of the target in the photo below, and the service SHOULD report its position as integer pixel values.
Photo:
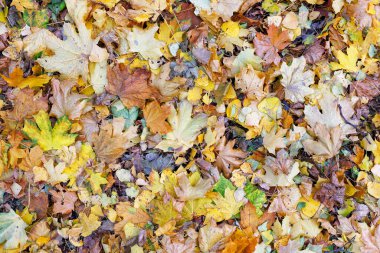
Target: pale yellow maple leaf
(328, 144)
(274, 140)
(185, 128)
(143, 10)
(56, 175)
(251, 82)
(12, 230)
(186, 191)
(142, 41)
(71, 56)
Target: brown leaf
(250, 218)
(314, 53)
(268, 46)
(38, 202)
(330, 195)
(130, 214)
(112, 141)
(25, 105)
(336, 39)
(66, 102)
(155, 116)
(228, 158)
(130, 85)
(63, 201)
(369, 88)
(185, 13)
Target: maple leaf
(143, 10)
(25, 104)
(167, 87)
(55, 172)
(251, 219)
(65, 102)
(71, 56)
(371, 242)
(225, 206)
(164, 212)
(155, 116)
(241, 241)
(174, 245)
(130, 214)
(296, 81)
(281, 170)
(228, 158)
(96, 179)
(47, 137)
(16, 79)
(185, 128)
(143, 42)
(213, 238)
(131, 86)
(331, 114)
(251, 82)
(12, 230)
(273, 140)
(346, 61)
(187, 191)
(268, 46)
(89, 223)
(112, 141)
(328, 144)
(63, 201)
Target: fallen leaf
(155, 116)
(131, 86)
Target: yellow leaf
(89, 223)
(225, 207)
(45, 136)
(374, 189)
(204, 82)
(231, 29)
(346, 61)
(16, 79)
(194, 94)
(271, 108)
(311, 206)
(96, 179)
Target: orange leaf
(155, 116)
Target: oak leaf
(132, 86)
(155, 116)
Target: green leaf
(45, 136)
(255, 196)
(120, 111)
(222, 185)
(36, 18)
